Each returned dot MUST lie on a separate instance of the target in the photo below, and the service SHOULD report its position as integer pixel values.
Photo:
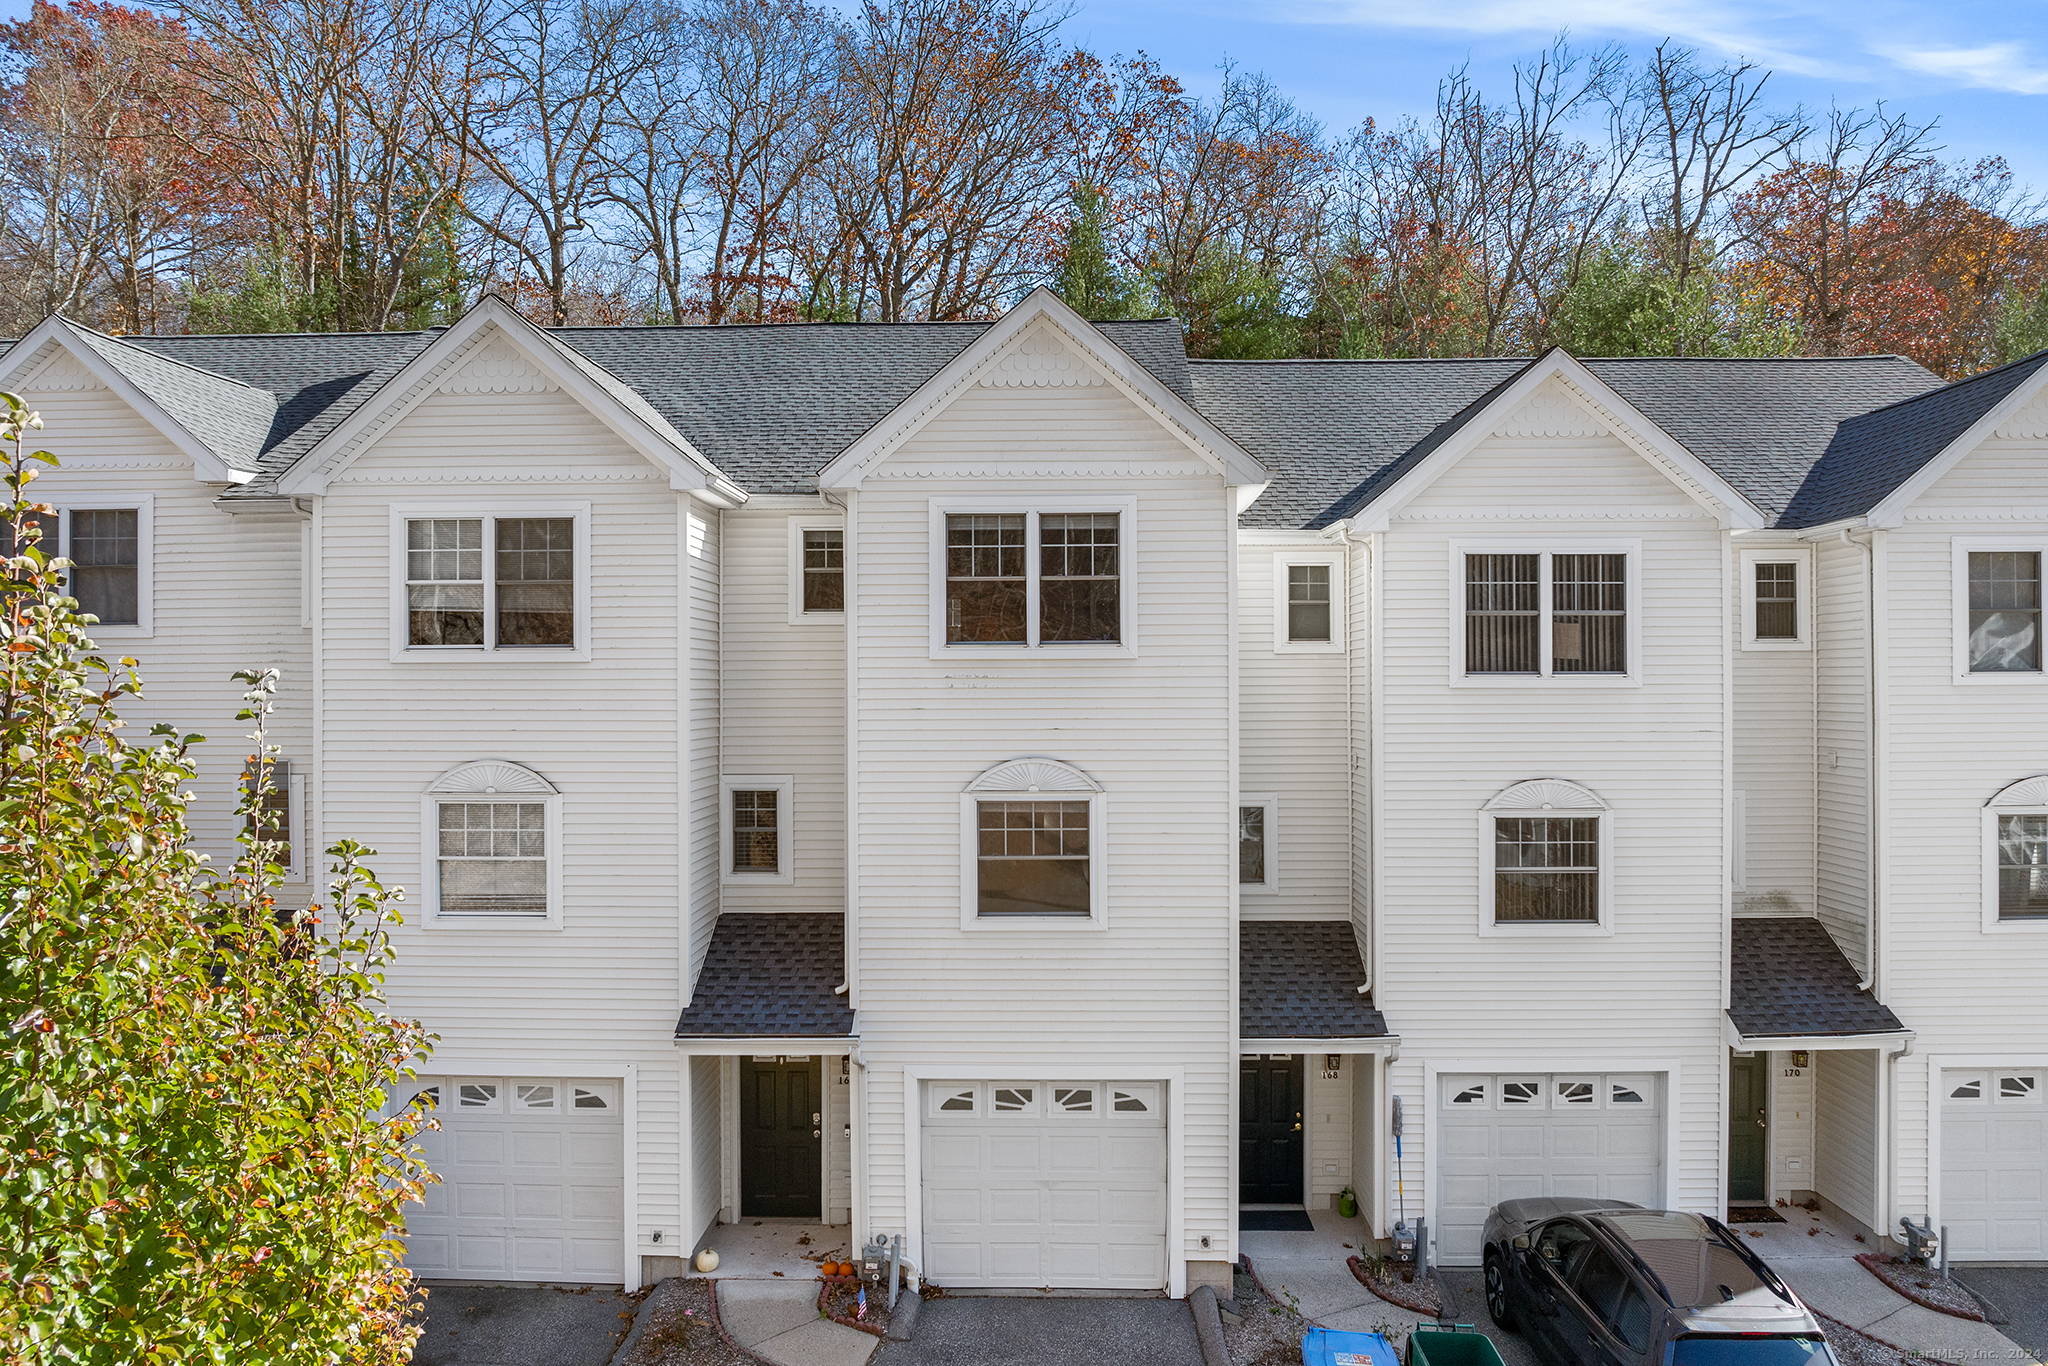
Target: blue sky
(1980, 66)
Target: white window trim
(1126, 510)
(294, 820)
(469, 782)
(1961, 548)
(1034, 780)
(1271, 886)
(95, 500)
(2027, 797)
(1802, 581)
(1284, 560)
(404, 653)
(1545, 548)
(784, 787)
(797, 527)
(1533, 797)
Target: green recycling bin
(1456, 1344)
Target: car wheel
(1497, 1307)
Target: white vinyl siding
(1843, 754)
(1774, 753)
(1845, 1131)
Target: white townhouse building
(1009, 785)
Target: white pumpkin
(707, 1261)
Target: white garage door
(1994, 1164)
(1522, 1134)
(533, 1181)
(1033, 1184)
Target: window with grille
(271, 820)
(1546, 869)
(105, 553)
(1777, 601)
(493, 583)
(1032, 858)
(2022, 867)
(756, 831)
(1546, 615)
(824, 570)
(2004, 611)
(493, 858)
(1308, 602)
(1030, 579)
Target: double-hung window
(485, 582)
(1530, 614)
(492, 847)
(817, 572)
(1032, 856)
(1039, 577)
(756, 827)
(1999, 617)
(1544, 851)
(1258, 842)
(274, 820)
(1308, 601)
(108, 544)
(2016, 856)
(1777, 600)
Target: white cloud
(1995, 66)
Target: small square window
(1777, 601)
(106, 557)
(824, 570)
(757, 827)
(1308, 601)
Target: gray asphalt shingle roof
(1788, 979)
(230, 416)
(1299, 979)
(770, 975)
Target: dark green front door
(781, 1136)
(1748, 1126)
(1269, 1130)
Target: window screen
(1077, 589)
(1251, 844)
(494, 858)
(104, 552)
(1501, 614)
(756, 834)
(1777, 602)
(1033, 858)
(2022, 866)
(985, 577)
(444, 581)
(1546, 868)
(824, 571)
(1308, 602)
(536, 581)
(1588, 614)
(271, 822)
(2005, 611)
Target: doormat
(1754, 1214)
(1274, 1221)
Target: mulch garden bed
(1923, 1286)
(1270, 1332)
(839, 1301)
(680, 1328)
(1417, 1296)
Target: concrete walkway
(778, 1320)
(1309, 1271)
(1821, 1265)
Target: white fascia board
(830, 1046)
(1658, 447)
(1891, 509)
(1808, 1043)
(1828, 531)
(1375, 1043)
(1132, 380)
(208, 467)
(687, 469)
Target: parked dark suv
(1603, 1283)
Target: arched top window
(491, 846)
(1545, 845)
(2016, 854)
(1032, 856)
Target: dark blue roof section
(771, 975)
(1873, 453)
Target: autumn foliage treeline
(261, 165)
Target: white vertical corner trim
(1738, 844)
(489, 511)
(489, 779)
(852, 727)
(629, 1098)
(2027, 797)
(797, 527)
(306, 574)
(783, 785)
(1285, 559)
(1533, 798)
(1962, 546)
(1030, 507)
(1026, 780)
(1269, 803)
(1544, 548)
(1174, 1080)
(686, 865)
(1801, 559)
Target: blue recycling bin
(1328, 1347)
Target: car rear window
(1750, 1350)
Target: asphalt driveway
(522, 1325)
(2020, 1294)
(1001, 1330)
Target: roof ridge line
(181, 364)
(1950, 386)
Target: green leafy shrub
(195, 1163)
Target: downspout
(1891, 1144)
